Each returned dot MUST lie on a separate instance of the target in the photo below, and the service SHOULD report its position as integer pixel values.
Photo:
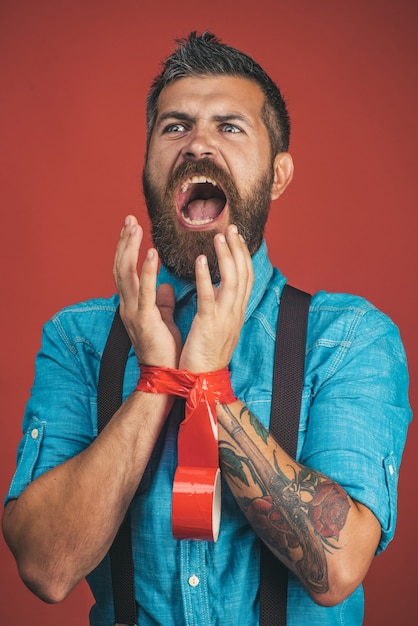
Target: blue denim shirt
(354, 419)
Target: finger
(232, 266)
(125, 264)
(250, 270)
(204, 287)
(130, 221)
(147, 282)
(236, 270)
(239, 252)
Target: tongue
(205, 209)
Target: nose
(199, 144)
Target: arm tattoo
(299, 518)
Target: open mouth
(200, 201)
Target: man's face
(209, 164)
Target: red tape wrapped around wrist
(216, 384)
(196, 494)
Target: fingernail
(234, 229)
(127, 220)
(222, 238)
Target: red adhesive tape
(196, 503)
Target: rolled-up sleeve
(58, 422)
(359, 416)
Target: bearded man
(217, 155)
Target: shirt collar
(262, 268)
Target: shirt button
(193, 580)
(34, 434)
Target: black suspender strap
(109, 399)
(289, 363)
(284, 421)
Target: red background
(74, 76)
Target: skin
(262, 476)
(219, 118)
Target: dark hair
(205, 54)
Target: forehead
(212, 94)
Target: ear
(283, 173)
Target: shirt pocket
(28, 454)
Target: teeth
(196, 222)
(196, 179)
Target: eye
(175, 128)
(230, 128)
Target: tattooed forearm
(298, 517)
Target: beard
(178, 247)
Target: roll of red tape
(196, 504)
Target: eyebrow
(182, 116)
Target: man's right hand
(146, 312)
